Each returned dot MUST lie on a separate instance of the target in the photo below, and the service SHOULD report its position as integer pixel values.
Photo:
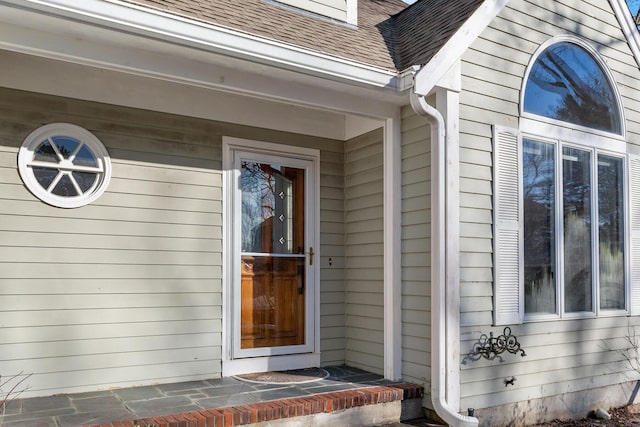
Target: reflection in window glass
(64, 165)
(268, 208)
(576, 190)
(566, 83)
(85, 157)
(61, 182)
(65, 187)
(539, 227)
(611, 232)
(66, 146)
(84, 180)
(45, 153)
(44, 176)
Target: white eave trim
(436, 70)
(628, 26)
(158, 25)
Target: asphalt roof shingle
(422, 29)
(364, 43)
(389, 35)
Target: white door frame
(235, 360)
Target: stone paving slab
(46, 404)
(137, 393)
(40, 422)
(97, 404)
(93, 408)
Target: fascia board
(628, 26)
(437, 68)
(128, 18)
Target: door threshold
(253, 365)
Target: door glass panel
(272, 255)
(611, 232)
(576, 167)
(272, 196)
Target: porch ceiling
(195, 54)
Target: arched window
(562, 226)
(567, 83)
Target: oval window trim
(67, 159)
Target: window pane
(85, 157)
(611, 232)
(65, 187)
(566, 83)
(576, 165)
(85, 180)
(66, 145)
(539, 227)
(45, 153)
(45, 176)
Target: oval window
(64, 165)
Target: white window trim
(37, 137)
(231, 364)
(594, 151)
(509, 264)
(508, 214)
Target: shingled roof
(421, 30)
(389, 35)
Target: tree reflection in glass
(268, 208)
(566, 83)
(576, 193)
(65, 166)
(539, 227)
(611, 232)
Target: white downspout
(439, 315)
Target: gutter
(440, 317)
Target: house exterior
(194, 189)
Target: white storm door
(275, 254)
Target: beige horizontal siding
(562, 356)
(586, 353)
(336, 9)
(332, 254)
(416, 249)
(364, 297)
(128, 290)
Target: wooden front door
(272, 256)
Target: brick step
(282, 409)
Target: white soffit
(39, 34)
(59, 78)
(156, 25)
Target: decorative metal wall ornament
(490, 347)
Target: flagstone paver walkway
(93, 408)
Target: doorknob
(311, 255)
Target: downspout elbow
(438, 278)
